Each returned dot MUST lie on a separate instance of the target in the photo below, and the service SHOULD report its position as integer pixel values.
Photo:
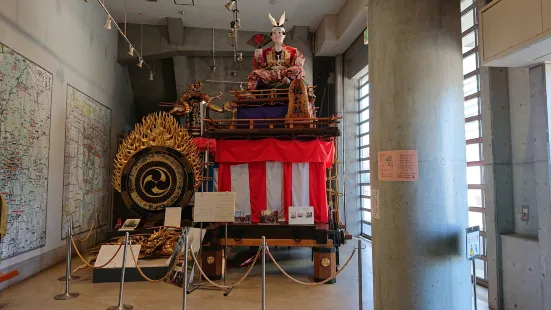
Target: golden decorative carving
(325, 262)
(157, 129)
(189, 100)
(210, 260)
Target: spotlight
(140, 63)
(239, 56)
(151, 75)
(108, 23)
(232, 33)
(238, 23)
(230, 4)
(131, 50)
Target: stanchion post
(67, 295)
(121, 306)
(474, 285)
(96, 232)
(184, 269)
(360, 277)
(69, 254)
(263, 273)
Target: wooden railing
(264, 95)
(274, 123)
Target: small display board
(216, 207)
(106, 252)
(301, 215)
(173, 217)
(130, 225)
(473, 242)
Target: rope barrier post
(263, 245)
(121, 306)
(96, 232)
(360, 276)
(67, 295)
(69, 255)
(184, 270)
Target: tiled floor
(38, 291)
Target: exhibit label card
(401, 165)
(375, 211)
(218, 207)
(173, 217)
(107, 251)
(301, 215)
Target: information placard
(217, 207)
(375, 211)
(400, 165)
(473, 242)
(301, 215)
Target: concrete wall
(192, 56)
(67, 39)
(521, 273)
(529, 145)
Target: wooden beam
(276, 242)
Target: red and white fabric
(273, 175)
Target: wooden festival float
(274, 154)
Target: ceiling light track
(110, 19)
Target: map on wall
(86, 172)
(25, 112)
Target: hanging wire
(120, 31)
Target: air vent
(152, 0)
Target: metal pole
(69, 254)
(360, 277)
(184, 269)
(96, 232)
(120, 306)
(225, 253)
(263, 273)
(67, 295)
(474, 285)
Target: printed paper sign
(473, 242)
(218, 207)
(402, 165)
(301, 215)
(375, 211)
(106, 252)
(173, 217)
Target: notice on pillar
(375, 211)
(402, 165)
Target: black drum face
(157, 178)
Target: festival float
(274, 155)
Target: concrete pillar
(415, 65)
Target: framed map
(25, 117)
(87, 165)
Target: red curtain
(247, 151)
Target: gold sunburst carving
(157, 129)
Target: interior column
(415, 69)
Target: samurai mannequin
(279, 64)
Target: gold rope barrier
(233, 284)
(310, 284)
(151, 280)
(89, 232)
(86, 263)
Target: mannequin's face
(278, 36)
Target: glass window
(469, 41)
(473, 152)
(469, 64)
(467, 20)
(472, 130)
(472, 107)
(470, 85)
(363, 132)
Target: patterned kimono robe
(264, 72)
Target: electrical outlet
(524, 215)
